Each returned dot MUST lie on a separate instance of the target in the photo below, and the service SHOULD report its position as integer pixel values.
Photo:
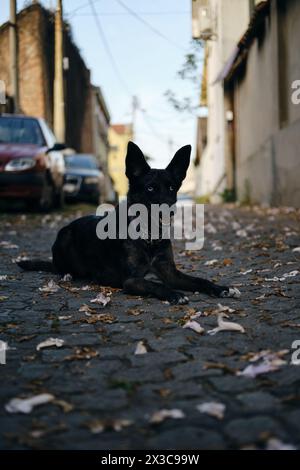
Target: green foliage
(228, 195)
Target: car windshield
(20, 131)
(81, 161)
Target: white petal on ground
(277, 444)
(226, 325)
(195, 326)
(4, 277)
(140, 349)
(101, 299)
(161, 415)
(210, 262)
(296, 250)
(26, 405)
(49, 288)
(212, 408)
(209, 228)
(223, 308)
(50, 343)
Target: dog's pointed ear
(136, 164)
(180, 163)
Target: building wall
(230, 19)
(36, 75)
(267, 122)
(116, 162)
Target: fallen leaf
(141, 348)
(98, 426)
(270, 362)
(3, 297)
(135, 311)
(284, 277)
(102, 317)
(193, 325)
(3, 278)
(101, 299)
(84, 353)
(49, 343)
(246, 272)
(227, 262)
(26, 405)
(8, 245)
(211, 262)
(64, 405)
(212, 408)
(161, 415)
(296, 250)
(226, 325)
(49, 288)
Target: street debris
(226, 325)
(159, 416)
(50, 288)
(3, 278)
(296, 250)
(212, 408)
(26, 405)
(284, 277)
(135, 311)
(101, 299)
(270, 362)
(195, 326)
(50, 343)
(98, 426)
(140, 349)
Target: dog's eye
(171, 188)
(150, 188)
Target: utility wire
(148, 25)
(107, 48)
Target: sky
(145, 64)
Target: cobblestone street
(105, 396)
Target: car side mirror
(57, 147)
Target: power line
(144, 13)
(148, 25)
(107, 48)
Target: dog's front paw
(177, 298)
(231, 292)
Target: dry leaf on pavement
(195, 326)
(26, 405)
(48, 343)
(140, 348)
(161, 415)
(226, 325)
(212, 408)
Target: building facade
(219, 23)
(86, 114)
(119, 136)
(263, 84)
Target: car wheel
(46, 201)
(59, 200)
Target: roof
(121, 128)
(240, 53)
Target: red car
(31, 162)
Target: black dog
(128, 263)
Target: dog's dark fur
(127, 263)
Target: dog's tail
(37, 265)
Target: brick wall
(36, 75)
